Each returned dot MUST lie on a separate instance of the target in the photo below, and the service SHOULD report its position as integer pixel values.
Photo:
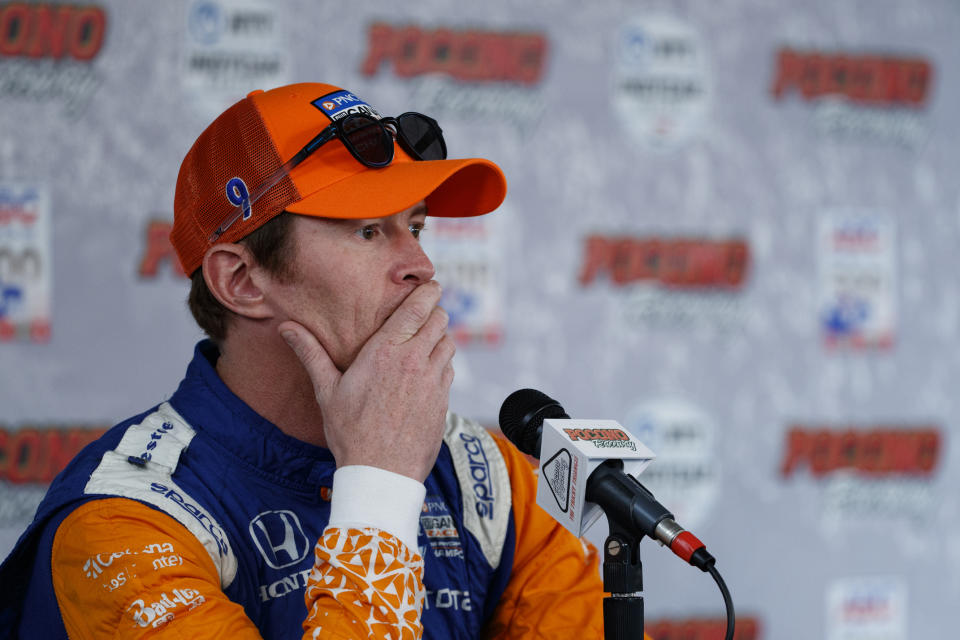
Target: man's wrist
(370, 497)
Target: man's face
(348, 276)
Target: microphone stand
(623, 579)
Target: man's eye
(368, 232)
(416, 228)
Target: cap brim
(451, 188)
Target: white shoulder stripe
(484, 484)
(141, 467)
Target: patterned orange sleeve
(123, 570)
(365, 584)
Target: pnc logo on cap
(340, 104)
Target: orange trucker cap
(247, 144)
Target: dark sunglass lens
(368, 139)
(423, 136)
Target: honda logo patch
(280, 538)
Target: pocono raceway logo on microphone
(572, 449)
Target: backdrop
(731, 225)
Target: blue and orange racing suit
(197, 519)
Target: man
(315, 417)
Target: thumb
(323, 373)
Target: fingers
(323, 373)
(444, 351)
(413, 313)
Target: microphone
(617, 493)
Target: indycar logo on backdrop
(46, 50)
(670, 282)
(863, 608)
(859, 95)
(25, 262)
(882, 472)
(471, 72)
(469, 255)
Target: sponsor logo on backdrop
(489, 74)
(158, 254)
(661, 88)
(46, 52)
(857, 267)
(469, 257)
(881, 472)
(685, 474)
(858, 95)
(30, 457)
(866, 609)
(26, 262)
(747, 628)
(231, 48)
(670, 282)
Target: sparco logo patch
(280, 538)
(199, 514)
(479, 475)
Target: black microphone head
(522, 415)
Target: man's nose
(413, 265)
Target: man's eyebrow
(421, 210)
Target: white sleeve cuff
(370, 497)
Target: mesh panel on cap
(236, 144)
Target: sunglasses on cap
(368, 139)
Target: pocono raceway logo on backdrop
(880, 473)
(26, 263)
(30, 457)
(747, 628)
(858, 95)
(476, 73)
(670, 282)
(229, 49)
(158, 254)
(661, 89)
(46, 51)
(686, 473)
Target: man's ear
(233, 277)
